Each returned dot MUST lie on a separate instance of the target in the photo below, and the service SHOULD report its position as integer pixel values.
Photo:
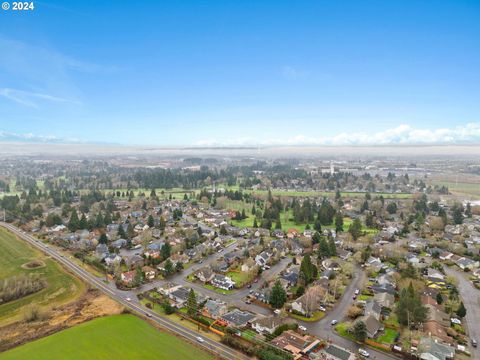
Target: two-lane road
(471, 299)
(211, 345)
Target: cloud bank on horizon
(401, 135)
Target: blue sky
(174, 73)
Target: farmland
(61, 286)
(113, 337)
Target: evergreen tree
(355, 229)
(278, 296)
(103, 238)
(392, 208)
(360, 331)
(255, 225)
(121, 232)
(130, 231)
(308, 269)
(316, 237)
(439, 298)
(332, 247)
(179, 266)
(161, 223)
(461, 311)
(323, 249)
(166, 251)
(339, 222)
(192, 303)
(74, 223)
(409, 309)
(168, 268)
(150, 221)
(457, 214)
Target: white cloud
(29, 137)
(400, 135)
(29, 98)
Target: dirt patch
(89, 306)
(34, 264)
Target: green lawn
(240, 278)
(388, 336)
(315, 316)
(114, 337)
(342, 330)
(62, 287)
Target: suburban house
(430, 349)
(222, 282)
(373, 308)
(262, 258)
(149, 272)
(205, 274)
(237, 318)
(268, 324)
(295, 343)
(333, 352)
(385, 300)
(127, 277)
(214, 308)
(373, 325)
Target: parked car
(334, 322)
(303, 328)
(321, 308)
(357, 291)
(363, 352)
(474, 343)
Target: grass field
(461, 188)
(120, 337)
(62, 287)
(328, 194)
(286, 218)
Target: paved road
(324, 330)
(120, 296)
(235, 298)
(471, 300)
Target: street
(324, 330)
(471, 300)
(133, 305)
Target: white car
(357, 291)
(128, 299)
(334, 322)
(456, 321)
(303, 328)
(321, 308)
(200, 340)
(363, 352)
